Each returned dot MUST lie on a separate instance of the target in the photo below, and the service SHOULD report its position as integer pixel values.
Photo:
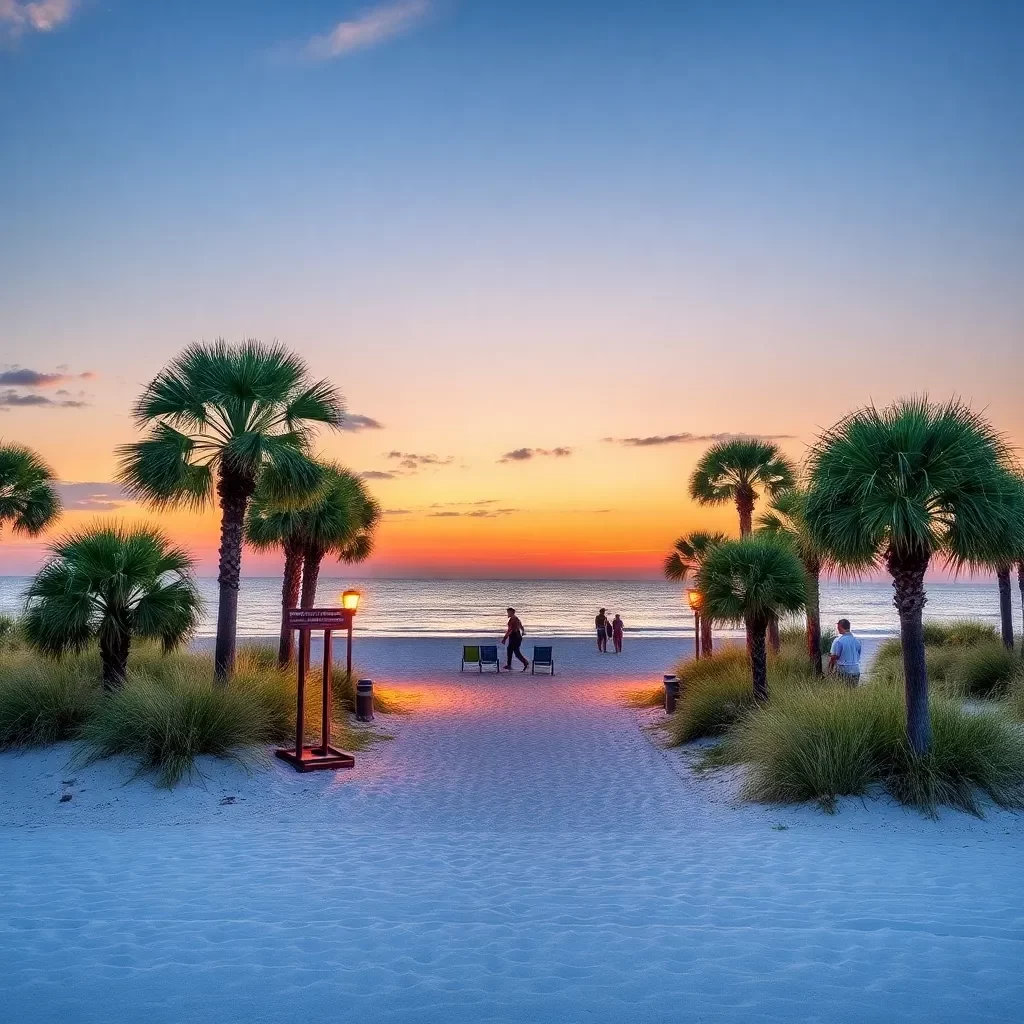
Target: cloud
(377, 474)
(398, 511)
(478, 513)
(523, 454)
(373, 26)
(656, 440)
(11, 399)
(96, 496)
(22, 377)
(410, 461)
(353, 422)
(18, 17)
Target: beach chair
(489, 657)
(470, 656)
(544, 657)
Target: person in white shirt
(844, 657)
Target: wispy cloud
(655, 440)
(479, 513)
(524, 454)
(411, 461)
(23, 377)
(19, 17)
(95, 496)
(373, 26)
(353, 422)
(10, 399)
(377, 474)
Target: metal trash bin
(364, 700)
(671, 693)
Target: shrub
(795, 637)
(820, 743)
(716, 692)
(978, 670)
(959, 633)
(43, 701)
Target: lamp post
(350, 602)
(696, 602)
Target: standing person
(601, 622)
(844, 657)
(514, 638)
(617, 627)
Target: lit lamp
(350, 602)
(696, 601)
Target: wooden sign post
(310, 758)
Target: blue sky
(617, 219)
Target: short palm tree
(785, 519)
(752, 580)
(341, 517)
(1003, 569)
(684, 561)
(28, 499)
(112, 584)
(902, 485)
(220, 418)
(737, 471)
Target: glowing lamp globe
(350, 600)
(696, 599)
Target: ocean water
(476, 608)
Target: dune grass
(819, 743)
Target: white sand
(521, 851)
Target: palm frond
(28, 498)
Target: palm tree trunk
(310, 574)
(1020, 585)
(745, 508)
(289, 599)
(1005, 606)
(774, 636)
(758, 657)
(908, 583)
(706, 637)
(114, 648)
(813, 570)
(234, 491)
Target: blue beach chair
(489, 657)
(544, 657)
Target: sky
(545, 249)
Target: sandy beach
(520, 850)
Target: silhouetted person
(601, 622)
(844, 658)
(514, 639)
(617, 633)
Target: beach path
(521, 851)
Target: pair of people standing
(608, 629)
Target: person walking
(513, 638)
(601, 622)
(844, 656)
(617, 627)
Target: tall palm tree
(684, 560)
(341, 517)
(342, 523)
(220, 418)
(28, 499)
(752, 580)
(785, 518)
(112, 583)
(1003, 569)
(902, 485)
(736, 471)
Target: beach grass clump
(820, 743)
(43, 701)
(643, 697)
(716, 692)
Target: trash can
(364, 700)
(671, 692)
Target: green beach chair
(470, 656)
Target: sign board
(319, 618)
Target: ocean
(557, 608)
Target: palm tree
(1003, 569)
(904, 484)
(112, 583)
(785, 519)
(752, 580)
(221, 418)
(28, 499)
(684, 560)
(341, 517)
(342, 522)
(736, 471)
